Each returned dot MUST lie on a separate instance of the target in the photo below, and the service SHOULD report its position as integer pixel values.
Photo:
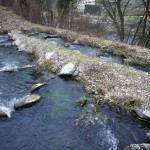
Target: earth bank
(113, 83)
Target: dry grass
(133, 54)
(112, 83)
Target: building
(82, 3)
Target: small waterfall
(7, 109)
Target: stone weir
(112, 83)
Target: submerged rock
(142, 146)
(142, 114)
(27, 100)
(37, 86)
(68, 69)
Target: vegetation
(96, 108)
(82, 101)
(128, 19)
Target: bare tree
(116, 11)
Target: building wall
(82, 3)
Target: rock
(17, 42)
(2, 114)
(43, 35)
(76, 42)
(67, 44)
(37, 86)
(143, 114)
(27, 100)
(9, 70)
(50, 36)
(68, 69)
(148, 135)
(22, 47)
(53, 43)
(98, 54)
(142, 146)
(26, 67)
(5, 111)
(32, 34)
(77, 51)
(49, 55)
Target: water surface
(90, 51)
(57, 122)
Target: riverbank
(115, 84)
(112, 83)
(132, 54)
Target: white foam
(107, 137)
(9, 66)
(19, 100)
(7, 109)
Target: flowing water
(57, 122)
(88, 50)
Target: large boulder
(27, 101)
(68, 69)
(142, 146)
(142, 114)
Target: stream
(88, 50)
(57, 122)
